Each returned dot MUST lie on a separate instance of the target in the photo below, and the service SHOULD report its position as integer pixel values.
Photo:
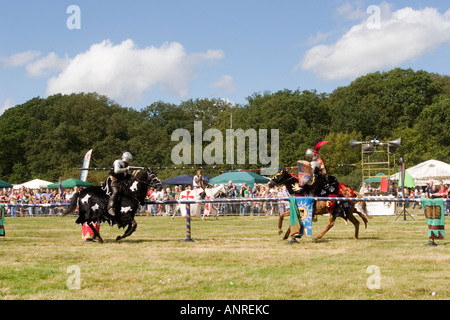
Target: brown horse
(320, 207)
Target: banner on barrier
(2, 221)
(435, 215)
(301, 213)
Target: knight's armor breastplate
(119, 170)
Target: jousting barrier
(232, 200)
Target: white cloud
(352, 11)
(225, 84)
(44, 66)
(124, 72)
(318, 37)
(403, 35)
(20, 59)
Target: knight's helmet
(309, 155)
(127, 157)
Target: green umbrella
(70, 183)
(250, 178)
(4, 184)
(377, 178)
(409, 181)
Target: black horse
(92, 203)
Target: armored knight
(319, 172)
(317, 163)
(118, 174)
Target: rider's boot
(112, 201)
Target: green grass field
(232, 258)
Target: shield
(304, 172)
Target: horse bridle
(291, 177)
(145, 182)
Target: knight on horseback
(198, 182)
(319, 172)
(118, 175)
(323, 184)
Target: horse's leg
(280, 220)
(355, 222)
(95, 232)
(131, 228)
(363, 217)
(280, 224)
(328, 227)
(204, 213)
(175, 210)
(288, 232)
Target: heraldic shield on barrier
(301, 212)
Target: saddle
(106, 186)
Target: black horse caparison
(92, 203)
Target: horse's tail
(73, 204)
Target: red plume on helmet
(317, 147)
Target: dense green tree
(378, 103)
(47, 138)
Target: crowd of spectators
(43, 200)
(39, 201)
(231, 191)
(431, 190)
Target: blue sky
(138, 52)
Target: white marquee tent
(431, 170)
(33, 184)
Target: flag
(409, 181)
(435, 215)
(300, 224)
(2, 218)
(87, 159)
(384, 185)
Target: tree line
(47, 138)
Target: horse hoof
(280, 232)
(100, 240)
(292, 241)
(118, 238)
